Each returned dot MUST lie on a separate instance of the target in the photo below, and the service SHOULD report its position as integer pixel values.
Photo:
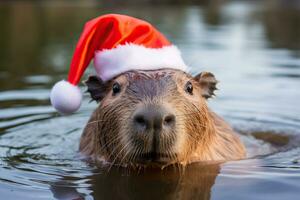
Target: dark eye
(116, 88)
(189, 88)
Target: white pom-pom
(65, 97)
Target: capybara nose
(153, 118)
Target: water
(252, 48)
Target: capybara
(157, 117)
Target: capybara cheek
(180, 144)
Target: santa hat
(117, 43)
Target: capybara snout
(154, 131)
(152, 119)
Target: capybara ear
(96, 87)
(208, 83)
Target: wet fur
(200, 134)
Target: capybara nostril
(169, 120)
(140, 121)
(152, 118)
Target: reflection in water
(253, 49)
(195, 182)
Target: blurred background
(38, 37)
(252, 47)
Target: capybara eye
(116, 88)
(189, 88)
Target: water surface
(253, 50)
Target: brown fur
(199, 134)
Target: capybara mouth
(155, 157)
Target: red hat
(117, 43)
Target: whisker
(109, 143)
(132, 156)
(96, 121)
(113, 151)
(124, 147)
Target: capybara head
(151, 117)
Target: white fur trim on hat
(112, 62)
(65, 97)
